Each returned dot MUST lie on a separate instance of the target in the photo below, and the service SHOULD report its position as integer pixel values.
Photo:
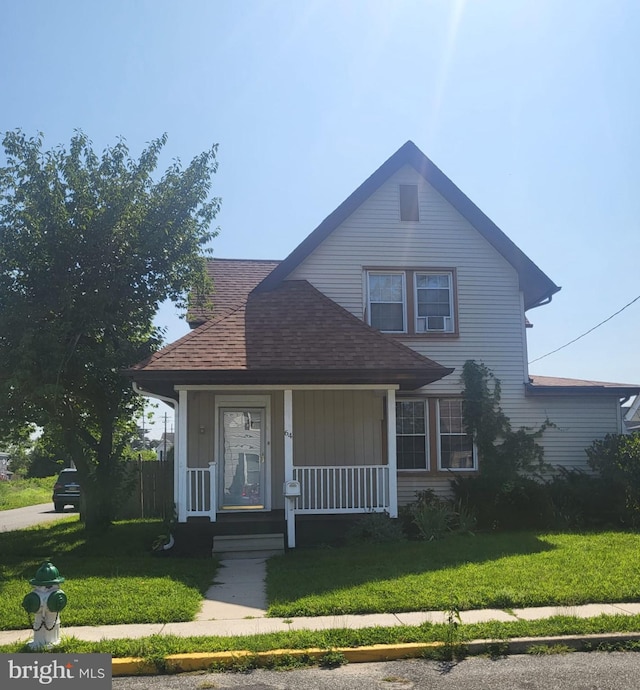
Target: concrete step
(248, 546)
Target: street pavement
(19, 518)
(570, 671)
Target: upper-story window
(411, 301)
(387, 301)
(434, 303)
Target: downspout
(176, 407)
(622, 427)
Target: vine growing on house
(502, 450)
(506, 492)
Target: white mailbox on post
(292, 488)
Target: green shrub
(616, 458)
(430, 517)
(583, 501)
(375, 528)
(466, 518)
(520, 503)
(433, 520)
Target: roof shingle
(233, 280)
(291, 332)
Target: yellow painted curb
(177, 663)
(132, 666)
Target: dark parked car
(66, 490)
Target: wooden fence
(152, 495)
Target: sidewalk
(236, 605)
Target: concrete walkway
(235, 604)
(238, 591)
(219, 626)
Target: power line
(586, 332)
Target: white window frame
(452, 324)
(403, 275)
(474, 452)
(426, 435)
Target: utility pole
(164, 452)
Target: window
(427, 306)
(455, 446)
(387, 301)
(409, 202)
(411, 435)
(434, 303)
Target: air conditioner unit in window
(438, 323)
(428, 324)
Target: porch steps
(248, 545)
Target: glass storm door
(243, 459)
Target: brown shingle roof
(233, 280)
(292, 334)
(552, 385)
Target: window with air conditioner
(434, 303)
(411, 301)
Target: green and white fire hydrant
(45, 602)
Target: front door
(243, 467)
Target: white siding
(409, 486)
(578, 421)
(490, 314)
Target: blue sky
(531, 107)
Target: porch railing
(201, 491)
(342, 489)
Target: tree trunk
(96, 510)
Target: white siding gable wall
(490, 312)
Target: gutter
(157, 396)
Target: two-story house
(329, 383)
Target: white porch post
(288, 466)
(181, 457)
(391, 452)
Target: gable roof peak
(537, 287)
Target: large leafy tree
(90, 245)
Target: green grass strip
(161, 645)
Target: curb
(179, 663)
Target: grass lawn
(114, 579)
(111, 578)
(19, 493)
(465, 572)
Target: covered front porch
(285, 402)
(298, 450)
